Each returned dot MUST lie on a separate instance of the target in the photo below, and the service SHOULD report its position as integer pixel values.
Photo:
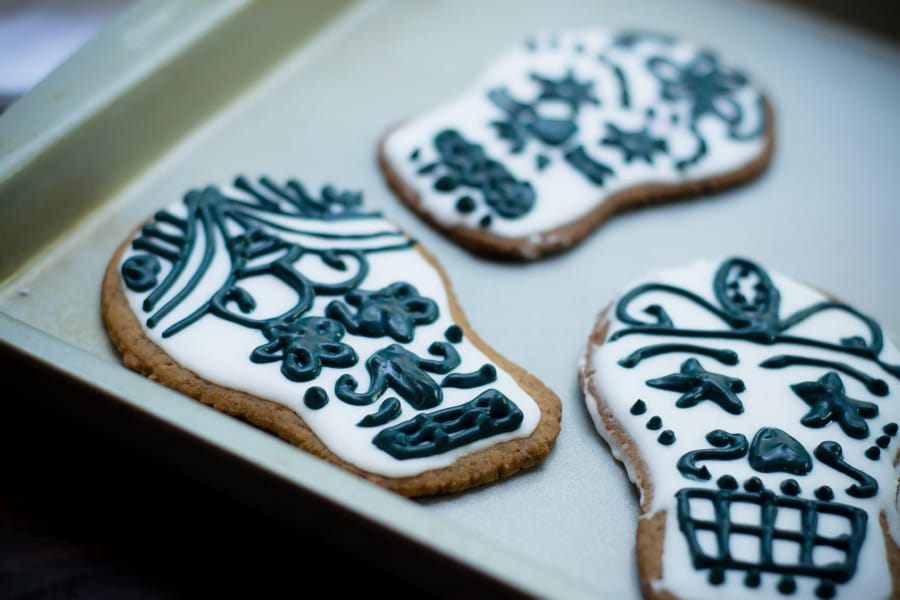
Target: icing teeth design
(565, 129)
(262, 296)
(779, 478)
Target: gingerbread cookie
(758, 418)
(321, 322)
(565, 130)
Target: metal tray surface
(176, 95)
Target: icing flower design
(304, 346)
(332, 203)
(703, 82)
(634, 144)
(393, 311)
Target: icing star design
(699, 384)
(567, 89)
(828, 402)
(635, 144)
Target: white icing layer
(218, 350)
(768, 401)
(601, 59)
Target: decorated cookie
(758, 418)
(321, 322)
(564, 130)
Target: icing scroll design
(753, 317)
(254, 250)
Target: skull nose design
(774, 450)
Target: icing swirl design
(265, 288)
(558, 124)
(794, 412)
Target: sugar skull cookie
(566, 129)
(314, 318)
(758, 417)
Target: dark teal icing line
(724, 356)
(879, 387)
(753, 133)
(389, 410)
(727, 446)
(832, 455)
(754, 320)
(334, 205)
(593, 170)
(698, 154)
(483, 376)
(206, 221)
(624, 96)
(243, 218)
(429, 434)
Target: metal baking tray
(175, 95)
